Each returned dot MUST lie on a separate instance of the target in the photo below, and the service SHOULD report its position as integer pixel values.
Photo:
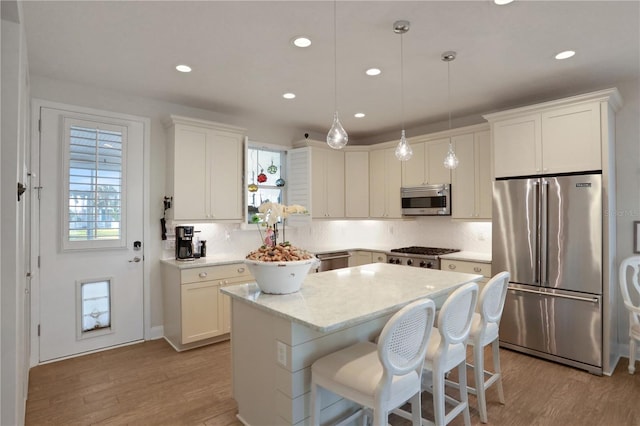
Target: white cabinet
(426, 166)
(360, 257)
(551, 140)
(356, 184)
(384, 184)
(195, 312)
(327, 183)
(471, 188)
(468, 267)
(204, 170)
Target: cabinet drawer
(226, 273)
(466, 267)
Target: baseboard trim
(157, 332)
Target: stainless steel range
(422, 257)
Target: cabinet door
(517, 149)
(200, 311)
(318, 183)
(226, 176)
(392, 184)
(377, 183)
(190, 185)
(436, 171)
(413, 170)
(334, 175)
(360, 257)
(484, 185)
(571, 139)
(463, 188)
(356, 184)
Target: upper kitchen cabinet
(471, 190)
(385, 178)
(554, 137)
(327, 183)
(356, 184)
(204, 170)
(425, 166)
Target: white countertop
(341, 298)
(471, 256)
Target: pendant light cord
(449, 92)
(402, 78)
(335, 59)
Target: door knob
(135, 259)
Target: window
(266, 177)
(94, 185)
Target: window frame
(119, 243)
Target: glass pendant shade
(403, 150)
(337, 137)
(450, 161)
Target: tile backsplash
(320, 235)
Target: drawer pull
(477, 269)
(240, 270)
(202, 275)
(452, 266)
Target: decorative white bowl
(280, 277)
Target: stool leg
(495, 346)
(632, 355)
(464, 395)
(478, 371)
(416, 409)
(438, 397)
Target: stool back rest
(402, 345)
(492, 298)
(454, 319)
(630, 289)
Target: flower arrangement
(269, 215)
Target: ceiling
(243, 59)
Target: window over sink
(265, 176)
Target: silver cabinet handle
(202, 275)
(135, 259)
(477, 269)
(240, 270)
(452, 266)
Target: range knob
(391, 260)
(423, 264)
(398, 261)
(430, 265)
(409, 262)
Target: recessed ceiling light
(183, 68)
(502, 2)
(301, 42)
(373, 71)
(289, 95)
(566, 54)
(358, 114)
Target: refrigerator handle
(544, 214)
(536, 215)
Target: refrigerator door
(573, 233)
(536, 321)
(515, 229)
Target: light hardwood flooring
(151, 384)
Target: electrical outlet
(282, 354)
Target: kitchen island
(276, 338)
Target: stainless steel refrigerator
(547, 232)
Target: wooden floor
(151, 384)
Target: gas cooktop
(424, 251)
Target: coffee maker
(184, 243)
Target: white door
(91, 231)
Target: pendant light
(403, 150)
(450, 160)
(337, 137)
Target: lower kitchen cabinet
(468, 267)
(195, 312)
(363, 257)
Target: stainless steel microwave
(426, 200)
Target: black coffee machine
(184, 243)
